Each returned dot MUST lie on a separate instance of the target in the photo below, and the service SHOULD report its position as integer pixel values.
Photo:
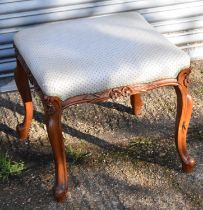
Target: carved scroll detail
(51, 104)
(183, 77)
(186, 80)
(115, 93)
(120, 92)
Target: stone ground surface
(131, 163)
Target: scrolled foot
(188, 165)
(22, 131)
(60, 192)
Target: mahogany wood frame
(53, 107)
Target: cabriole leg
(136, 102)
(184, 110)
(24, 90)
(53, 122)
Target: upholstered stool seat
(94, 54)
(94, 59)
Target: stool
(94, 59)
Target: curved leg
(24, 90)
(136, 102)
(53, 111)
(184, 110)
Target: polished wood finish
(184, 111)
(53, 109)
(136, 103)
(54, 106)
(24, 90)
(115, 93)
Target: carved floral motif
(120, 92)
(186, 81)
(51, 104)
(183, 77)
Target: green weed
(9, 167)
(76, 156)
(140, 142)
